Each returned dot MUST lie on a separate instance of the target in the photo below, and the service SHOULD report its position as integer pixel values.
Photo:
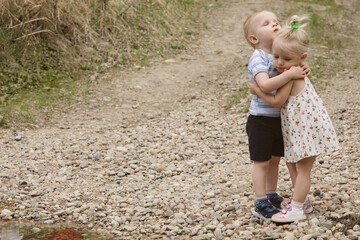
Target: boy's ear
(253, 39)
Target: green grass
(331, 5)
(320, 2)
(25, 104)
(27, 89)
(241, 93)
(179, 47)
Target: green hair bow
(295, 25)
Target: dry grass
(46, 45)
(87, 21)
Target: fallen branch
(125, 10)
(30, 34)
(30, 21)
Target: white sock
(297, 205)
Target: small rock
(171, 60)
(326, 225)
(122, 149)
(48, 222)
(6, 213)
(189, 221)
(218, 235)
(18, 138)
(36, 230)
(126, 106)
(230, 208)
(168, 213)
(317, 193)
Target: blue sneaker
(264, 209)
(275, 200)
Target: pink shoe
(286, 203)
(288, 215)
(307, 205)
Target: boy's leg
(260, 135)
(263, 208)
(260, 152)
(272, 181)
(258, 174)
(272, 174)
(277, 151)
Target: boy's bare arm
(267, 84)
(276, 100)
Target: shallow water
(10, 234)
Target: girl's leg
(293, 172)
(303, 181)
(272, 174)
(301, 189)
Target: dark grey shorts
(265, 137)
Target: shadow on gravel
(348, 221)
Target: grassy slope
(49, 48)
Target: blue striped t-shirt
(262, 62)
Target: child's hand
(306, 68)
(254, 88)
(297, 72)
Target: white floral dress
(306, 126)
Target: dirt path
(149, 92)
(155, 154)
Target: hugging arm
(268, 84)
(306, 69)
(276, 100)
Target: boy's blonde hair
(248, 28)
(293, 37)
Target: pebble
(5, 213)
(218, 234)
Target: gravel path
(156, 155)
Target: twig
(125, 10)
(30, 21)
(30, 34)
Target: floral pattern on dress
(306, 126)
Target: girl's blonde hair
(293, 36)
